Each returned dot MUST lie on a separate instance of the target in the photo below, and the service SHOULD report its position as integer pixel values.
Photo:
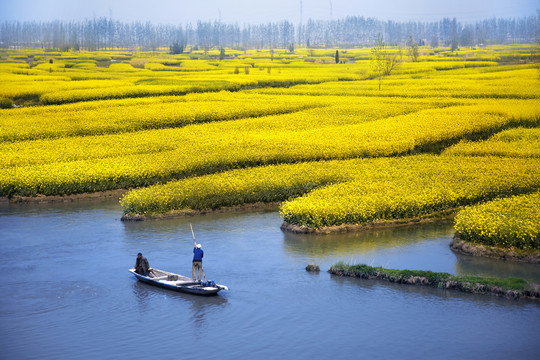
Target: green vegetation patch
(511, 287)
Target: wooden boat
(172, 281)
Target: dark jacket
(197, 254)
(142, 266)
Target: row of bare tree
(102, 33)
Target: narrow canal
(66, 291)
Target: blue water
(67, 293)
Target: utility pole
(330, 10)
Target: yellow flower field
(187, 125)
(139, 158)
(510, 222)
(348, 191)
(114, 116)
(517, 142)
(501, 82)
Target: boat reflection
(202, 307)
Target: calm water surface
(67, 294)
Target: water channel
(66, 292)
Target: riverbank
(65, 198)
(448, 214)
(428, 218)
(457, 244)
(512, 287)
(191, 212)
(511, 254)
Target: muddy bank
(191, 212)
(475, 285)
(63, 198)
(468, 248)
(376, 224)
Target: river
(67, 293)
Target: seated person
(141, 265)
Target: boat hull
(175, 282)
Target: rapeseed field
(507, 222)
(192, 131)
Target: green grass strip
(511, 287)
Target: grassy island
(511, 287)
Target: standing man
(141, 265)
(197, 260)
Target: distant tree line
(103, 33)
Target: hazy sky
(256, 11)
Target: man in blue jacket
(197, 260)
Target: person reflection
(203, 310)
